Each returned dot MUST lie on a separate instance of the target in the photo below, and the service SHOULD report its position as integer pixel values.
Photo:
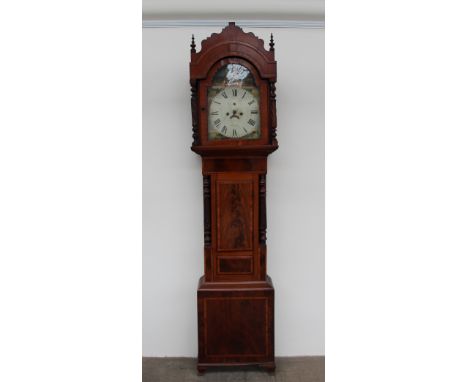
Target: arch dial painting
(233, 101)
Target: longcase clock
(233, 81)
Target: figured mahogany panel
(236, 323)
(235, 215)
(235, 232)
(236, 326)
(235, 264)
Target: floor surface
(288, 369)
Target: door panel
(235, 207)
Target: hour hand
(234, 115)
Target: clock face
(233, 104)
(234, 113)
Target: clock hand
(234, 115)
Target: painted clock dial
(233, 104)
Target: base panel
(235, 324)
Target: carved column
(207, 209)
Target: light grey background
(172, 194)
(241, 9)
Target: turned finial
(272, 43)
(192, 45)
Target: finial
(192, 45)
(272, 43)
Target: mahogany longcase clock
(234, 130)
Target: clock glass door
(233, 104)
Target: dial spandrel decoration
(233, 104)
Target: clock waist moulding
(233, 102)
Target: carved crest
(233, 42)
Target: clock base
(236, 324)
(204, 367)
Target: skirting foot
(201, 370)
(269, 367)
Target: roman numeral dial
(233, 113)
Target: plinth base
(267, 366)
(236, 324)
